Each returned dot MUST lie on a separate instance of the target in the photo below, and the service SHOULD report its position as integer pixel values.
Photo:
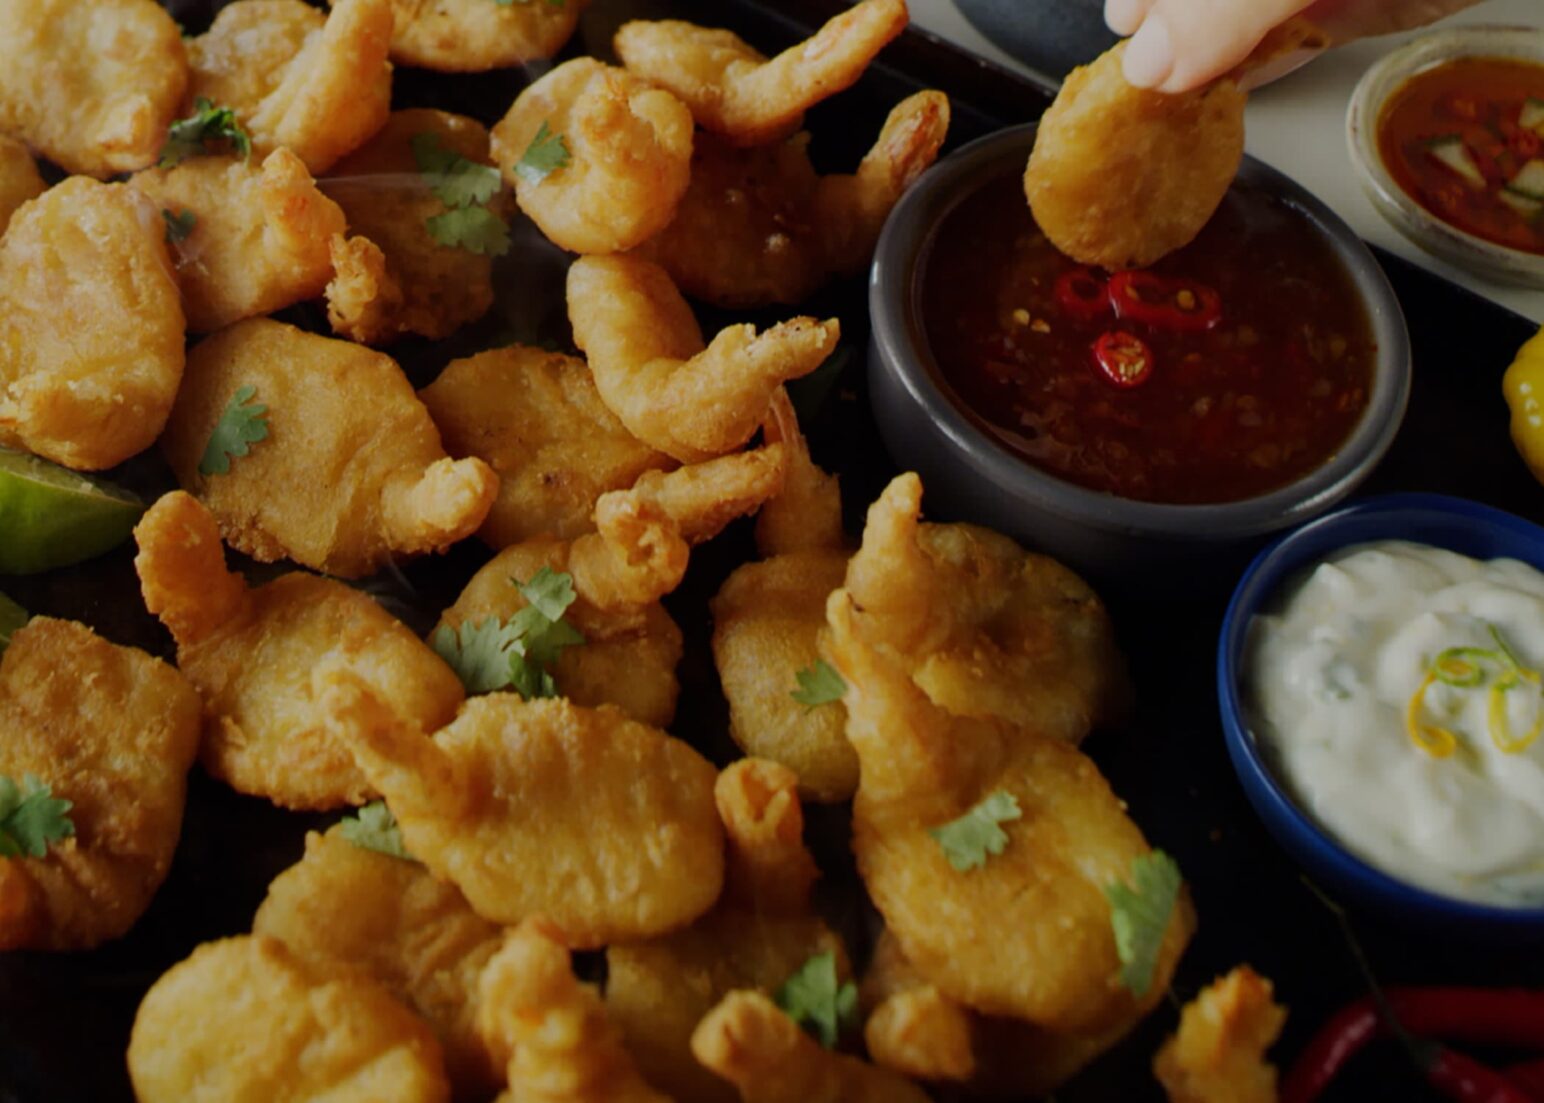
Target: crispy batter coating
(318, 84)
(114, 731)
(735, 91)
(758, 1049)
(629, 154)
(1218, 1055)
(536, 418)
(91, 84)
(351, 473)
(984, 628)
(252, 653)
(1121, 177)
(91, 329)
(260, 239)
(344, 905)
(396, 278)
(757, 226)
(690, 400)
(760, 933)
(472, 36)
(19, 178)
(603, 824)
(244, 1020)
(562, 1047)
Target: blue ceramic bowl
(1453, 523)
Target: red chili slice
(1182, 305)
(1081, 294)
(1123, 360)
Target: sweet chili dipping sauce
(1466, 140)
(1235, 366)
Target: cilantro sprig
(31, 817)
(465, 187)
(475, 229)
(375, 828)
(191, 137)
(239, 427)
(818, 685)
(1139, 915)
(12, 618)
(547, 153)
(178, 226)
(814, 999)
(492, 654)
(969, 840)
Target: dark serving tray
(64, 1020)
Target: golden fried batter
(757, 226)
(735, 91)
(627, 152)
(91, 84)
(758, 1049)
(471, 36)
(1121, 177)
(603, 824)
(1218, 1055)
(317, 84)
(536, 418)
(344, 905)
(690, 400)
(350, 473)
(91, 330)
(244, 1020)
(259, 242)
(113, 731)
(252, 654)
(19, 178)
(396, 278)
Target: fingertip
(1149, 56)
(1125, 16)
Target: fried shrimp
(91, 84)
(345, 905)
(257, 239)
(604, 825)
(757, 226)
(536, 418)
(472, 36)
(317, 84)
(349, 473)
(396, 277)
(735, 91)
(91, 330)
(113, 731)
(19, 178)
(244, 1020)
(689, 400)
(748, 1041)
(562, 1047)
(1218, 1055)
(251, 654)
(598, 158)
(760, 933)
(1121, 177)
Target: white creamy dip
(1442, 787)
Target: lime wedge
(51, 516)
(12, 617)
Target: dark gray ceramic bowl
(969, 476)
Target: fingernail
(1150, 53)
(1123, 16)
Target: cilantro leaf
(545, 155)
(12, 617)
(517, 652)
(31, 818)
(457, 181)
(178, 226)
(968, 840)
(375, 828)
(549, 592)
(812, 998)
(190, 137)
(475, 229)
(819, 685)
(1139, 914)
(478, 652)
(239, 426)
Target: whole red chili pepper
(1081, 294)
(1123, 360)
(1529, 1076)
(1468, 1081)
(1185, 306)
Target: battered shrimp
(1218, 1055)
(757, 226)
(251, 653)
(258, 236)
(536, 418)
(317, 84)
(350, 472)
(735, 91)
(113, 732)
(598, 158)
(748, 1041)
(91, 84)
(471, 36)
(1121, 177)
(19, 178)
(244, 1020)
(91, 330)
(652, 369)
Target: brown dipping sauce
(1262, 398)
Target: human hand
(1178, 45)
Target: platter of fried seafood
(465, 637)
